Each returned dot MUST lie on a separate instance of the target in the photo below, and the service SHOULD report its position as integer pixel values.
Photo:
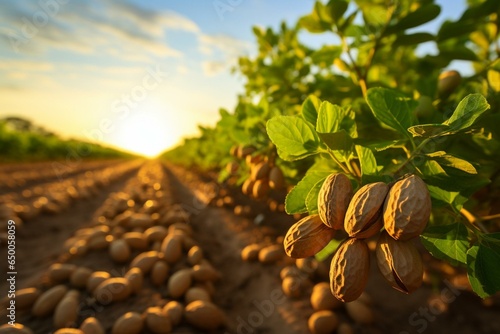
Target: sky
(138, 75)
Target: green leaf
(492, 240)
(494, 80)
(468, 110)
(311, 24)
(240, 136)
(335, 126)
(429, 130)
(310, 109)
(448, 197)
(293, 136)
(413, 39)
(483, 269)
(392, 108)
(466, 113)
(483, 9)
(380, 145)
(367, 160)
(472, 273)
(333, 118)
(326, 55)
(495, 65)
(329, 117)
(329, 249)
(374, 12)
(467, 185)
(356, 31)
(451, 29)
(295, 201)
(337, 9)
(285, 156)
(337, 141)
(447, 242)
(487, 141)
(312, 197)
(445, 196)
(432, 168)
(413, 19)
(322, 13)
(347, 21)
(457, 52)
(448, 160)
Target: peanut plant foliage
(372, 107)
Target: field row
(15, 177)
(57, 196)
(135, 268)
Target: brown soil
(249, 293)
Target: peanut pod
(407, 208)
(307, 237)
(349, 270)
(333, 200)
(364, 214)
(400, 263)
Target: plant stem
(491, 217)
(407, 152)
(363, 74)
(473, 221)
(344, 169)
(349, 167)
(357, 70)
(355, 167)
(413, 154)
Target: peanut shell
(307, 237)
(333, 200)
(407, 208)
(400, 263)
(349, 270)
(364, 214)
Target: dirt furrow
(79, 169)
(40, 241)
(250, 293)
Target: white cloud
(224, 48)
(176, 21)
(228, 45)
(25, 65)
(116, 29)
(205, 50)
(123, 70)
(90, 26)
(128, 55)
(211, 68)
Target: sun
(144, 132)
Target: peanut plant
(375, 104)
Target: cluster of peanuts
(264, 175)
(402, 209)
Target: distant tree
(24, 125)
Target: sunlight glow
(145, 132)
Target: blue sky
(135, 74)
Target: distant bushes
(21, 141)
